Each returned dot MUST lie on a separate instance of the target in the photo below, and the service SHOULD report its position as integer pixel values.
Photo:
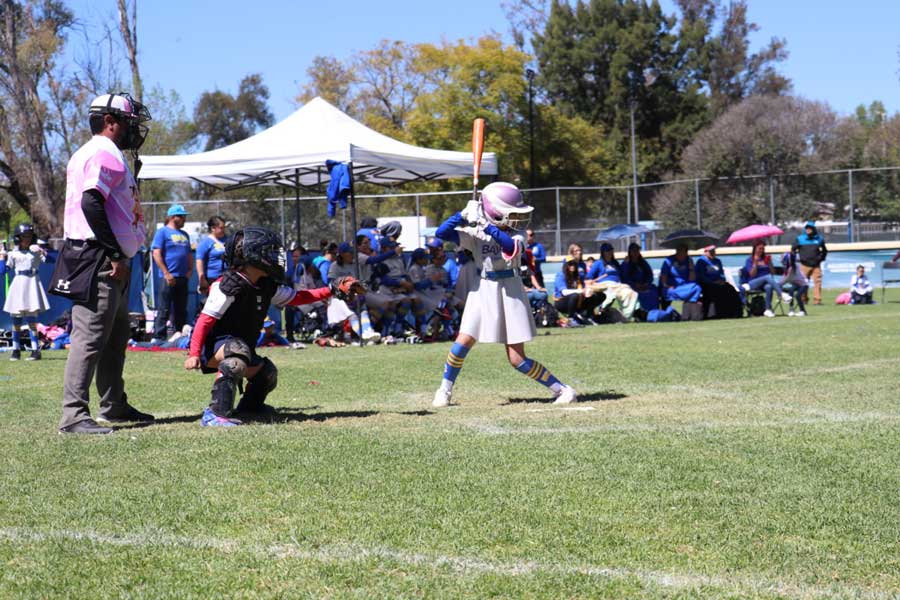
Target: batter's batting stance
(224, 339)
(497, 310)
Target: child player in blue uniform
(224, 339)
(497, 309)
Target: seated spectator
(860, 287)
(720, 299)
(572, 298)
(323, 262)
(338, 310)
(576, 253)
(605, 276)
(757, 275)
(537, 295)
(368, 226)
(429, 291)
(269, 337)
(678, 281)
(637, 273)
(657, 315)
(794, 283)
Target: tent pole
(297, 202)
(353, 227)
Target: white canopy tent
(293, 152)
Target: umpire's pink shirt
(100, 165)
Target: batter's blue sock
(453, 365)
(17, 333)
(32, 332)
(539, 373)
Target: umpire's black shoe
(35, 355)
(88, 426)
(15, 355)
(131, 415)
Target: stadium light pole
(649, 78)
(529, 73)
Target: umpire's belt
(27, 272)
(495, 275)
(78, 244)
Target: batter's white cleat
(565, 396)
(441, 398)
(370, 335)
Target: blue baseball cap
(604, 247)
(176, 210)
(419, 253)
(435, 243)
(268, 323)
(344, 247)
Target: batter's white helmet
(503, 205)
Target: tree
(222, 119)
(769, 136)
(31, 37)
(128, 30)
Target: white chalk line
(353, 553)
(562, 409)
(817, 417)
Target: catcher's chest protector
(245, 315)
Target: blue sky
(842, 53)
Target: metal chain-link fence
(851, 205)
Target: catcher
(224, 338)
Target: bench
(890, 273)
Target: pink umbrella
(753, 232)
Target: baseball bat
(477, 150)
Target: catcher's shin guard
(231, 370)
(259, 387)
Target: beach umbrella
(620, 231)
(694, 238)
(753, 232)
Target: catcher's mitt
(347, 288)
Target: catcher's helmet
(502, 204)
(129, 111)
(257, 247)
(22, 229)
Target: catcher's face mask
(130, 113)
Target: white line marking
(352, 553)
(569, 408)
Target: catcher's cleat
(565, 396)
(210, 419)
(441, 398)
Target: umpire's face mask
(133, 134)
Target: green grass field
(755, 458)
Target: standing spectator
(209, 257)
(368, 227)
(811, 252)
(678, 280)
(172, 254)
(538, 252)
(576, 253)
(638, 273)
(26, 297)
(295, 277)
(323, 262)
(860, 287)
(104, 228)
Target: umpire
(104, 228)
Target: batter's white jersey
(497, 310)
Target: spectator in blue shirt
(368, 227)
(757, 275)
(572, 298)
(637, 273)
(678, 280)
(323, 262)
(720, 299)
(604, 275)
(172, 255)
(539, 254)
(209, 256)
